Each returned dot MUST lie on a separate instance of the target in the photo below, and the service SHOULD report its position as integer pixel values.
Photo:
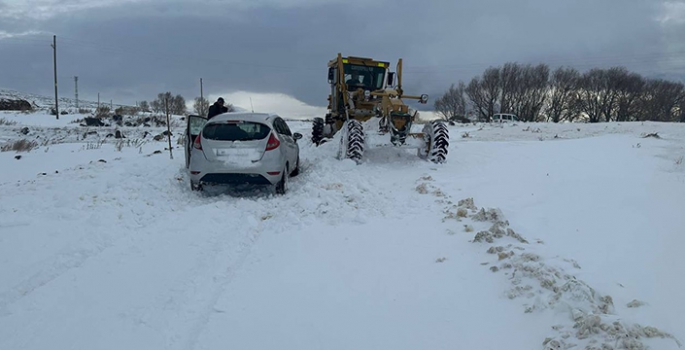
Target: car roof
(244, 116)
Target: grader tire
(437, 142)
(317, 131)
(355, 140)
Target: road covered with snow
(531, 236)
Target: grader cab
(363, 89)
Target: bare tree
(158, 105)
(144, 106)
(660, 101)
(613, 94)
(201, 106)
(484, 93)
(476, 96)
(681, 108)
(178, 105)
(510, 80)
(630, 89)
(175, 104)
(562, 92)
(534, 86)
(453, 103)
(491, 88)
(609, 95)
(589, 89)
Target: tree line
(176, 104)
(535, 93)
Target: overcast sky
(276, 51)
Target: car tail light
(274, 173)
(197, 144)
(273, 143)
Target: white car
(241, 149)
(504, 118)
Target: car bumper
(265, 172)
(235, 179)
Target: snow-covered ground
(532, 236)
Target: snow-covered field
(532, 236)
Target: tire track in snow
(221, 283)
(334, 191)
(73, 257)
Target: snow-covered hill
(46, 103)
(532, 236)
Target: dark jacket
(215, 110)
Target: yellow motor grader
(363, 89)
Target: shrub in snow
(496, 231)
(492, 215)
(467, 204)
(22, 145)
(93, 121)
(635, 303)
(422, 188)
(4, 121)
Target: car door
(287, 137)
(193, 127)
(293, 143)
(296, 147)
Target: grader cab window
(366, 77)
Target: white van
(504, 118)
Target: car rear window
(231, 131)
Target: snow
(104, 246)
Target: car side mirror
(297, 136)
(391, 78)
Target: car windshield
(368, 77)
(235, 131)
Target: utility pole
(168, 125)
(202, 100)
(111, 106)
(76, 86)
(54, 59)
(98, 102)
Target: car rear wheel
(282, 186)
(195, 187)
(297, 168)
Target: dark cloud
(133, 51)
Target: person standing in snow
(217, 108)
